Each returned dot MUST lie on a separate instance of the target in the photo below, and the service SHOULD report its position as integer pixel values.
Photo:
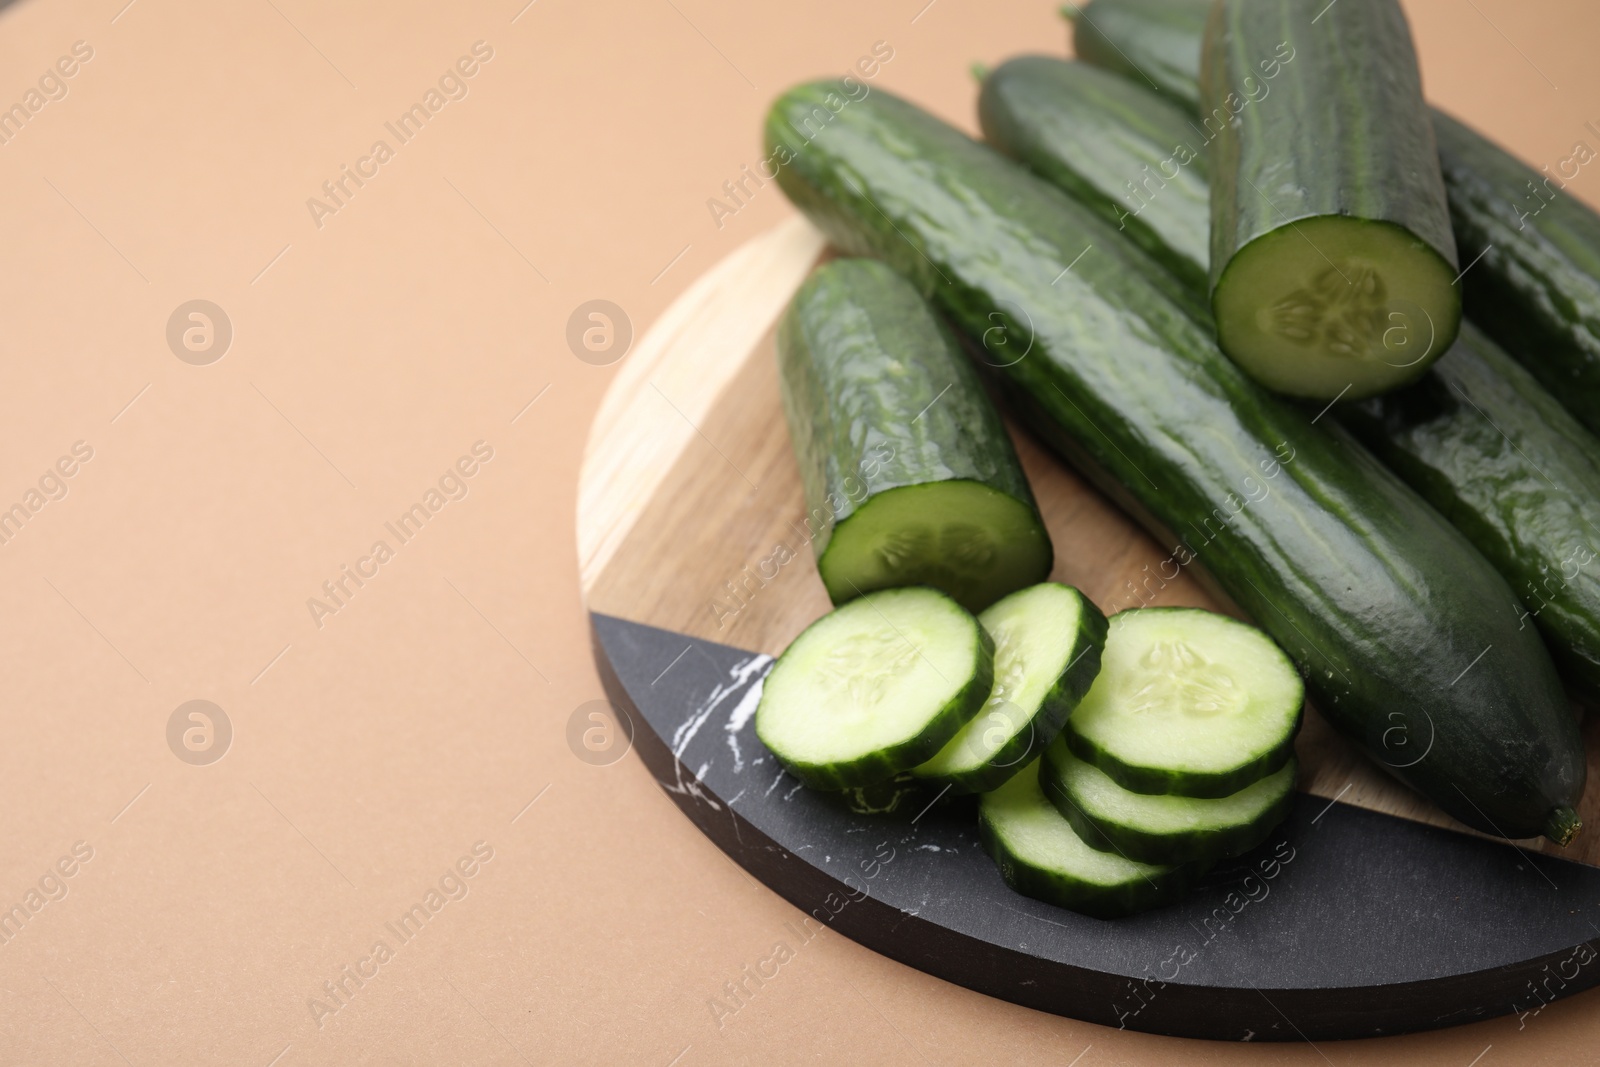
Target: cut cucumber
(1162, 829)
(1188, 702)
(909, 474)
(1332, 261)
(1041, 856)
(875, 688)
(1047, 642)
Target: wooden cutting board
(690, 494)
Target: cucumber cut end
(1336, 306)
(961, 537)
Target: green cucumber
(1329, 229)
(1041, 856)
(1534, 280)
(1151, 828)
(1476, 437)
(874, 688)
(1385, 609)
(1532, 255)
(1189, 702)
(1080, 127)
(909, 475)
(1505, 462)
(1047, 643)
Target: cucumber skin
(848, 319)
(880, 174)
(1452, 451)
(1154, 780)
(1196, 847)
(1066, 694)
(1536, 289)
(1070, 122)
(884, 764)
(1100, 902)
(1504, 461)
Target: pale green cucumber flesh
(874, 688)
(1336, 306)
(959, 536)
(1041, 856)
(1188, 702)
(1047, 641)
(1163, 829)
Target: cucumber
(1041, 856)
(1189, 702)
(1084, 129)
(1536, 287)
(874, 688)
(1148, 828)
(1385, 609)
(1476, 437)
(909, 475)
(1047, 646)
(1506, 463)
(1330, 236)
(1532, 255)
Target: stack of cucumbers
(1217, 265)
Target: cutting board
(1370, 912)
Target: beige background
(372, 752)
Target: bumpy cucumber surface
(909, 475)
(1162, 828)
(1382, 605)
(1476, 436)
(1188, 702)
(1047, 647)
(1041, 856)
(874, 688)
(1153, 42)
(1328, 221)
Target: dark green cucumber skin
(1477, 437)
(1536, 287)
(858, 430)
(884, 764)
(1153, 42)
(1341, 130)
(1379, 602)
(1100, 902)
(1504, 461)
(1079, 127)
(1206, 846)
(1066, 694)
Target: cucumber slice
(1047, 641)
(1189, 702)
(1040, 856)
(875, 688)
(1162, 829)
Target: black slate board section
(1347, 923)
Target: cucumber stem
(1562, 826)
(979, 71)
(1070, 12)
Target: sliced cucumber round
(1335, 305)
(1047, 641)
(1189, 702)
(875, 687)
(1162, 829)
(1041, 856)
(963, 537)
